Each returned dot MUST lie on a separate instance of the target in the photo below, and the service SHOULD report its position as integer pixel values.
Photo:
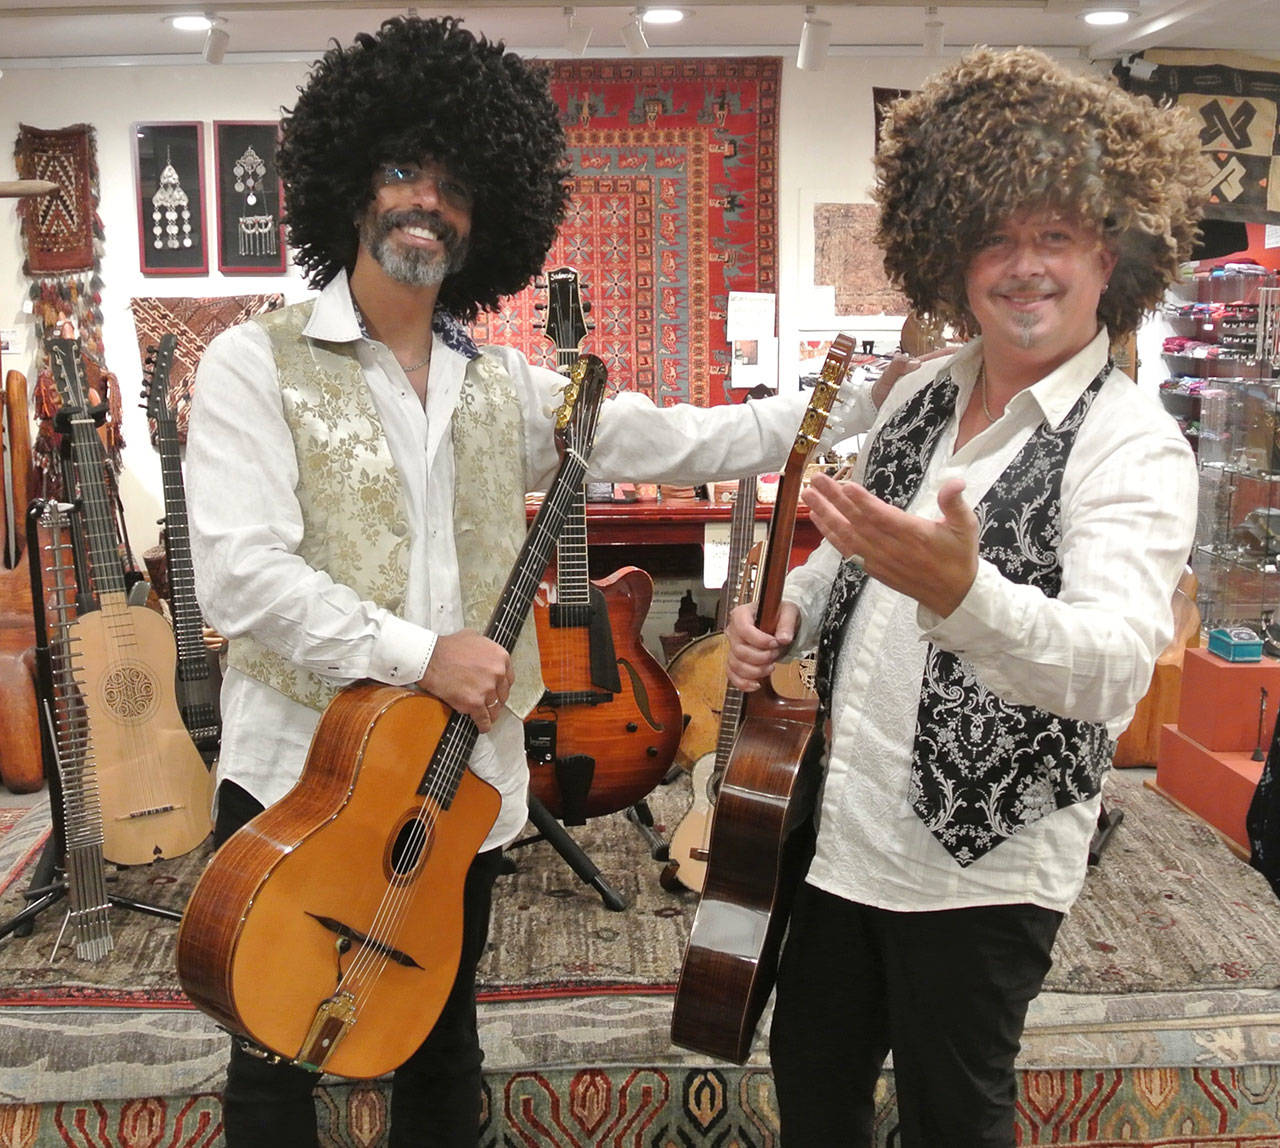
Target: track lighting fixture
(577, 36)
(215, 45)
(815, 37)
(932, 32)
(633, 34)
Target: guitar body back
(155, 790)
(756, 859)
(329, 895)
(632, 736)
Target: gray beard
(413, 266)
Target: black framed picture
(169, 178)
(250, 198)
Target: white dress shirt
(246, 523)
(1128, 517)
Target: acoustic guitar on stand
(605, 732)
(328, 929)
(156, 793)
(766, 795)
(199, 681)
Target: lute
(155, 791)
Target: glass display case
(1224, 389)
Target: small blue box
(1237, 644)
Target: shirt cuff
(401, 652)
(986, 618)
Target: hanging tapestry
(1235, 100)
(847, 257)
(674, 206)
(195, 321)
(62, 234)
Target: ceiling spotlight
(577, 36)
(662, 15)
(192, 23)
(932, 32)
(1104, 17)
(815, 37)
(215, 46)
(633, 35)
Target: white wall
(827, 135)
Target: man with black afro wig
(357, 470)
(993, 588)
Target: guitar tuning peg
(539, 305)
(586, 307)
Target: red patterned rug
(195, 321)
(674, 206)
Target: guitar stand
(555, 834)
(1108, 823)
(49, 886)
(49, 881)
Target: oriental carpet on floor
(1160, 1025)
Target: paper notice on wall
(754, 362)
(715, 553)
(750, 315)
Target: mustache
(1017, 287)
(414, 217)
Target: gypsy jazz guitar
(605, 731)
(766, 794)
(328, 929)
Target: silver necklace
(364, 331)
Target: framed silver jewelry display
(250, 231)
(169, 179)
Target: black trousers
(435, 1094)
(946, 991)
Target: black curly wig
(420, 88)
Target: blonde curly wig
(1004, 131)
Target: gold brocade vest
(355, 518)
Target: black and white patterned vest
(981, 767)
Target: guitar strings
(369, 964)
(458, 739)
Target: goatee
(413, 266)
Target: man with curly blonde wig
(990, 597)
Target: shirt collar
(1057, 393)
(334, 320)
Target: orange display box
(1216, 786)
(1221, 701)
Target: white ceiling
(111, 31)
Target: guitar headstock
(580, 408)
(566, 319)
(155, 379)
(68, 373)
(834, 369)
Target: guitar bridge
(334, 1016)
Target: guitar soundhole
(408, 849)
(129, 692)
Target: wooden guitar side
(21, 764)
(155, 790)
(633, 735)
(766, 795)
(259, 949)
